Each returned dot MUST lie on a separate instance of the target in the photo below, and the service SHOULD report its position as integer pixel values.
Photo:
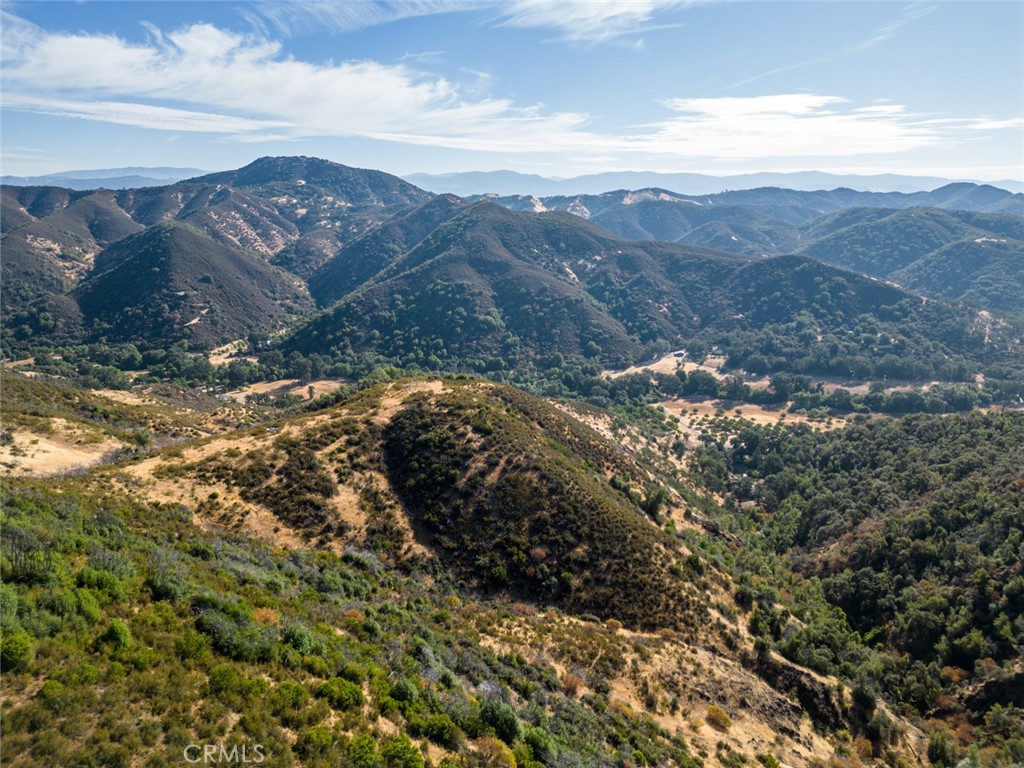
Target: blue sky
(554, 87)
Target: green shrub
(234, 689)
(102, 581)
(315, 742)
(167, 586)
(399, 752)
(405, 690)
(864, 697)
(8, 604)
(441, 730)
(52, 694)
(117, 635)
(80, 674)
(191, 645)
(341, 694)
(225, 679)
(236, 637)
(942, 748)
(543, 744)
(503, 719)
(362, 752)
(17, 648)
(88, 606)
(717, 718)
(352, 672)
(288, 695)
(301, 638)
(60, 602)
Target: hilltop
(54, 241)
(491, 288)
(482, 288)
(172, 282)
(374, 563)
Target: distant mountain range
(471, 183)
(513, 183)
(896, 236)
(106, 178)
(359, 265)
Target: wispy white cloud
(787, 125)
(886, 32)
(143, 115)
(577, 21)
(201, 78)
(204, 79)
(599, 21)
(301, 16)
(422, 56)
(990, 124)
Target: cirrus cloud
(789, 125)
(251, 88)
(201, 78)
(575, 21)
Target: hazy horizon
(554, 89)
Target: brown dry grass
(285, 387)
(61, 448)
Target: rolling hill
(950, 254)
(835, 227)
(364, 257)
(171, 282)
(491, 289)
(494, 285)
(296, 212)
(408, 278)
(365, 581)
(512, 183)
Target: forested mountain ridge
(790, 205)
(972, 257)
(346, 558)
(490, 289)
(172, 282)
(377, 571)
(913, 528)
(507, 183)
(51, 236)
(875, 234)
(483, 289)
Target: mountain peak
(354, 186)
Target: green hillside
(913, 529)
(491, 289)
(428, 589)
(171, 282)
(491, 284)
(50, 237)
(127, 646)
(517, 497)
(362, 259)
(985, 272)
(956, 255)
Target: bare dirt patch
(392, 402)
(691, 411)
(126, 396)
(670, 364)
(225, 354)
(62, 449)
(285, 387)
